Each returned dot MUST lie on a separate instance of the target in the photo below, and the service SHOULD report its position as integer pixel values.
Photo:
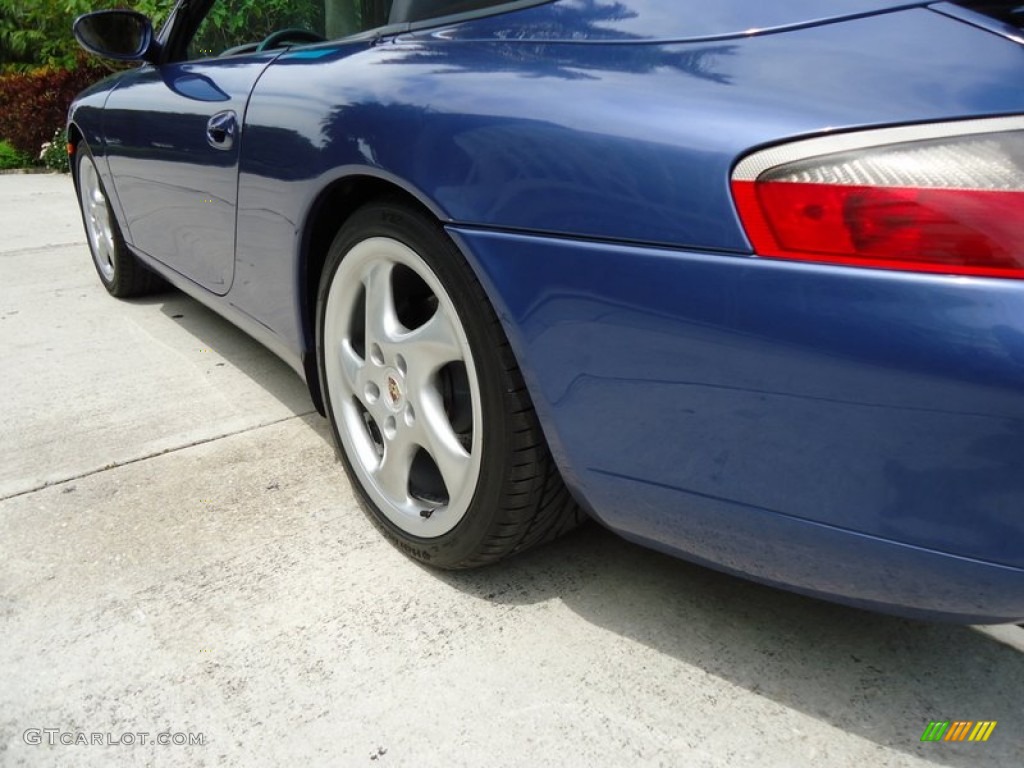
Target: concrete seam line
(137, 459)
(48, 246)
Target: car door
(174, 133)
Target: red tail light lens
(951, 203)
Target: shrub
(11, 157)
(37, 33)
(34, 102)
(54, 153)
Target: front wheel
(428, 408)
(119, 270)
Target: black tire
(518, 498)
(121, 273)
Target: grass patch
(12, 158)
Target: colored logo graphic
(958, 730)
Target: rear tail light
(945, 198)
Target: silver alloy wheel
(98, 225)
(412, 436)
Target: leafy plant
(42, 68)
(243, 21)
(35, 33)
(34, 102)
(54, 153)
(11, 157)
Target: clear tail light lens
(943, 198)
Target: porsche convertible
(743, 281)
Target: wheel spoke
(382, 323)
(97, 207)
(392, 475)
(103, 252)
(352, 368)
(431, 346)
(441, 442)
(108, 238)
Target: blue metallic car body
(855, 434)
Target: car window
(231, 24)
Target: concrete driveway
(180, 554)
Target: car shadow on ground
(878, 677)
(236, 347)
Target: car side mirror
(118, 34)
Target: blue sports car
(742, 280)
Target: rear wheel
(120, 272)
(432, 420)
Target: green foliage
(34, 102)
(42, 67)
(37, 33)
(55, 152)
(235, 22)
(11, 157)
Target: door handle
(221, 130)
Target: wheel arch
(74, 141)
(329, 212)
